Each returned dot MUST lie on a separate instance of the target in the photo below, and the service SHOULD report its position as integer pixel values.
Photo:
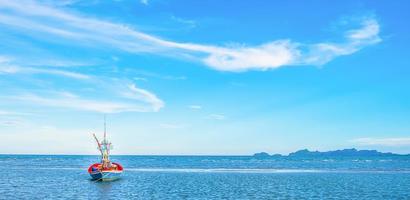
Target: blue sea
(207, 177)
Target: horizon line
(216, 155)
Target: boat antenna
(105, 130)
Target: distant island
(337, 153)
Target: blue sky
(191, 77)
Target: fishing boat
(105, 170)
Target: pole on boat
(98, 143)
(106, 147)
(105, 130)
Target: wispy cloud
(171, 126)
(146, 96)
(30, 70)
(369, 32)
(124, 96)
(195, 107)
(73, 102)
(7, 67)
(355, 39)
(187, 22)
(60, 63)
(120, 99)
(11, 122)
(11, 118)
(29, 18)
(12, 113)
(158, 76)
(140, 79)
(217, 116)
(403, 141)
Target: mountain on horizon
(335, 153)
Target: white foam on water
(226, 170)
(267, 171)
(223, 170)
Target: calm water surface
(207, 177)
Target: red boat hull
(98, 173)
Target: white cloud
(146, 96)
(158, 76)
(217, 116)
(195, 107)
(7, 67)
(29, 18)
(58, 62)
(369, 31)
(140, 79)
(77, 103)
(263, 57)
(403, 141)
(12, 113)
(56, 72)
(11, 118)
(123, 97)
(131, 99)
(321, 53)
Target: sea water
(207, 177)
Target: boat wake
(227, 170)
(265, 171)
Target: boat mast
(105, 130)
(106, 147)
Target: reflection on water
(103, 188)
